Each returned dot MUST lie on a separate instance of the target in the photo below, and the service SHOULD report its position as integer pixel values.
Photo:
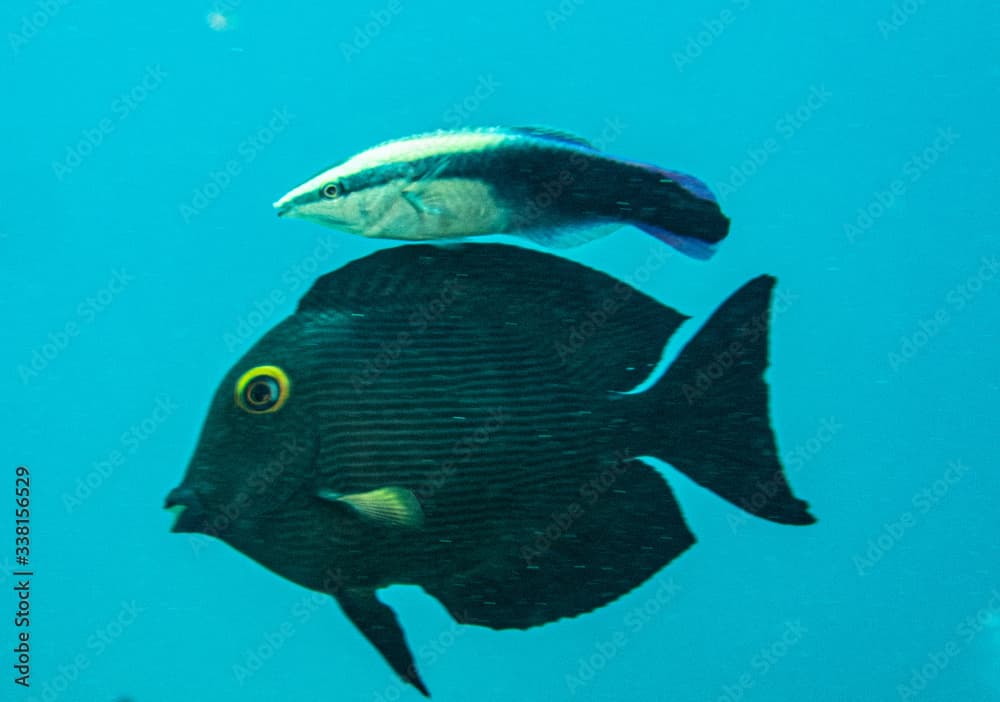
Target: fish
(465, 418)
(549, 186)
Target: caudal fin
(679, 210)
(708, 414)
(689, 246)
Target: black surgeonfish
(459, 418)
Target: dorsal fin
(603, 331)
(555, 135)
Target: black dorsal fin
(603, 331)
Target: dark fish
(459, 418)
(549, 186)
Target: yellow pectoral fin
(393, 506)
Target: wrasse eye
(332, 190)
(262, 389)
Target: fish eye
(332, 190)
(262, 389)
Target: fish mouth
(323, 219)
(191, 515)
(283, 208)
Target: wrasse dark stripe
(557, 191)
(580, 179)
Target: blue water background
(855, 150)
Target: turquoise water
(854, 150)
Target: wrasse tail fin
(689, 246)
(695, 186)
(679, 210)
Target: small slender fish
(548, 186)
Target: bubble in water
(218, 22)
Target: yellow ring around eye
(263, 374)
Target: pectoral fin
(426, 193)
(379, 625)
(424, 199)
(392, 506)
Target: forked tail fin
(708, 415)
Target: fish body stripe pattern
(462, 421)
(397, 155)
(546, 184)
(555, 189)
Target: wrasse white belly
(548, 186)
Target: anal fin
(380, 626)
(608, 541)
(566, 237)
